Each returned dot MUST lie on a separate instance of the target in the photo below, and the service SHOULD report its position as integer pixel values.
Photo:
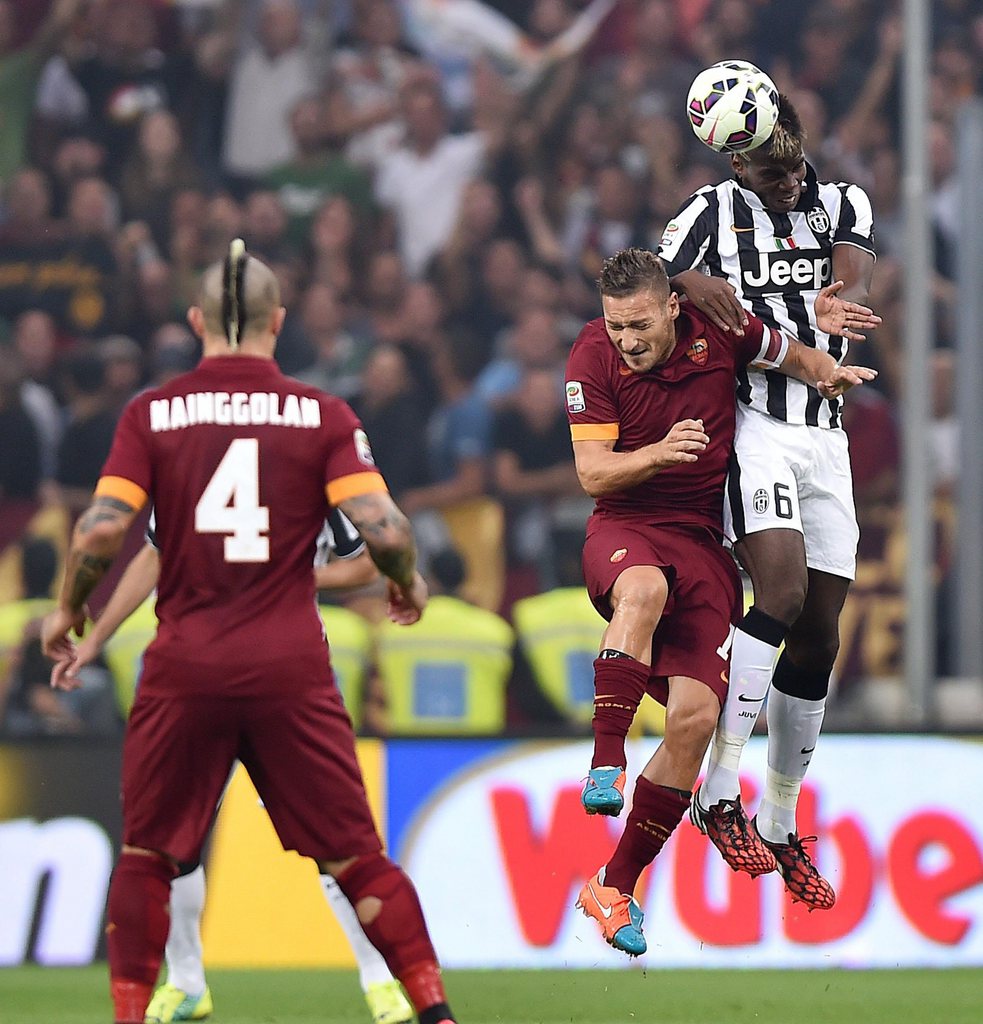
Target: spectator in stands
(423, 181)
(173, 350)
(122, 358)
(339, 356)
(93, 217)
(20, 70)
(371, 66)
(127, 76)
(265, 227)
(35, 342)
(338, 248)
(27, 220)
(89, 431)
(392, 414)
(317, 172)
(20, 450)
(534, 344)
(157, 169)
(75, 156)
(533, 470)
(272, 73)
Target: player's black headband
(233, 296)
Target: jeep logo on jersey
(698, 351)
(575, 396)
(818, 219)
(762, 273)
(760, 501)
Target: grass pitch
(34, 995)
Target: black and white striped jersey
(337, 535)
(777, 264)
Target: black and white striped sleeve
(856, 221)
(151, 535)
(342, 537)
(690, 233)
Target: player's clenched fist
(684, 442)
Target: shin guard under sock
(619, 685)
(655, 812)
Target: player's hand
(684, 443)
(406, 604)
(716, 298)
(836, 316)
(843, 378)
(59, 646)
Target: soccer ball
(732, 106)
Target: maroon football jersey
(606, 401)
(241, 464)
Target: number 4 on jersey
(230, 504)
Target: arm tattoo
(83, 576)
(387, 533)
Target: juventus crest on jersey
(777, 264)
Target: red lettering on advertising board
(546, 870)
(736, 921)
(854, 883)
(921, 888)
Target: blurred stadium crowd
(436, 183)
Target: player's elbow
(594, 483)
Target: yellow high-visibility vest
(350, 641)
(446, 673)
(124, 651)
(560, 633)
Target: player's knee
(691, 725)
(643, 600)
(782, 597)
(816, 654)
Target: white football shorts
(788, 476)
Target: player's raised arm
(386, 532)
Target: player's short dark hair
(786, 143)
(633, 270)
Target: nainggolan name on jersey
(238, 408)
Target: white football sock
(372, 969)
(185, 965)
(751, 664)
(793, 731)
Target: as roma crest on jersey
(699, 351)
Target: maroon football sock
(655, 812)
(138, 919)
(619, 685)
(395, 925)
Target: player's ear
(277, 321)
(196, 321)
(737, 165)
(672, 305)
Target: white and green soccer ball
(732, 106)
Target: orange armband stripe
(121, 489)
(354, 485)
(595, 431)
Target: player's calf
(389, 911)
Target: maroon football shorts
(299, 751)
(705, 597)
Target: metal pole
(919, 650)
(969, 389)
